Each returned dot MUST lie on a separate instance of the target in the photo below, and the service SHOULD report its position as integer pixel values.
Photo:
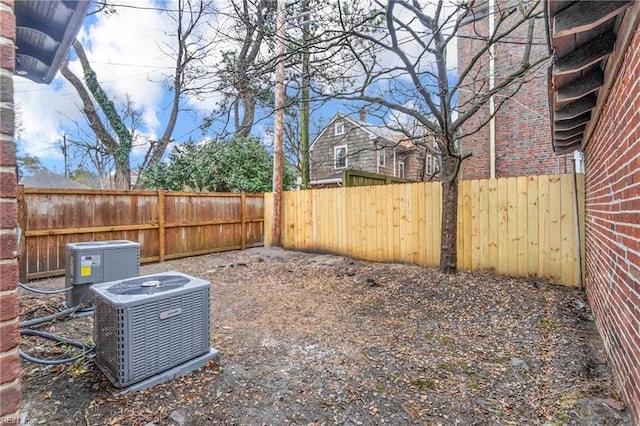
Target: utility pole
(278, 130)
(304, 107)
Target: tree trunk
(304, 101)
(122, 177)
(449, 232)
(249, 112)
(125, 140)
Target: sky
(126, 51)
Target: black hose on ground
(37, 290)
(36, 321)
(86, 349)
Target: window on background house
(429, 165)
(340, 156)
(382, 157)
(339, 128)
(401, 169)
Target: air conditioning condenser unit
(151, 328)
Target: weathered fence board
(352, 178)
(520, 226)
(167, 225)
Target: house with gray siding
(347, 143)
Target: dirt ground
(317, 339)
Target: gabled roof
(587, 39)
(49, 179)
(45, 30)
(381, 131)
(374, 131)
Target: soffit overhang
(45, 30)
(587, 40)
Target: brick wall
(523, 132)
(612, 160)
(10, 394)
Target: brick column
(10, 393)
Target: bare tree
(314, 59)
(92, 154)
(245, 78)
(106, 142)
(120, 146)
(190, 52)
(114, 136)
(244, 74)
(293, 150)
(402, 50)
(95, 158)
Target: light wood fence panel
(520, 226)
(381, 222)
(167, 225)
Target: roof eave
(587, 60)
(43, 42)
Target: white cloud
(122, 50)
(125, 50)
(410, 45)
(43, 112)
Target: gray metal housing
(151, 326)
(96, 262)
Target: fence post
(22, 242)
(161, 230)
(243, 221)
(267, 210)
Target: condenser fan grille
(149, 285)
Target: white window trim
(382, 157)
(339, 128)
(429, 164)
(401, 169)
(335, 156)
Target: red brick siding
(612, 228)
(9, 337)
(10, 393)
(523, 132)
(477, 166)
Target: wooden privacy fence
(521, 226)
(359, 178)
(167, 225)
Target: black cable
(87, 349)
(36, 321)
(37, 290)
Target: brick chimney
(363, 115)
